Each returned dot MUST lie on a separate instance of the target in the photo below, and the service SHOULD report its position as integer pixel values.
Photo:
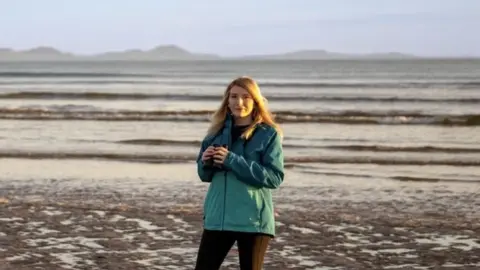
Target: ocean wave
(396, 178)
(179, 158)
(380, 161)
(109, 81)
(53, 74)
(143, 158)
(466, 83)
(159, 142)
(369, 148)
(413, 149)
(336, 174)
(344, 117)
(431, 180)
(192, 97)
(403, 85)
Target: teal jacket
(239, 197)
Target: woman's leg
(213, 249)
(251, 250)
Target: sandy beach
(382, 163)
(117, 223)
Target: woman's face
(240, 102)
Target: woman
(242, 159)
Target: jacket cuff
(229, 159)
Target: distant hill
(166, 52)
(35, 54)
(322, 54)
(173, 52)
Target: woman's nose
(238, 101)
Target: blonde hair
(260, 113)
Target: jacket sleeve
(268, 173)
(205, 173)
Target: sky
(233, 28)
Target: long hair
(260, 113)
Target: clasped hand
(219, 154)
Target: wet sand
(98, 231)
(124, 223)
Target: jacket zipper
(224, 200)
(229, 146)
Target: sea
(362, 121)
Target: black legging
(215, 246)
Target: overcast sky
(227, 27)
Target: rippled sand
(111, 222)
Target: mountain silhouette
(173, 52)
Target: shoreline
(99, 227)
